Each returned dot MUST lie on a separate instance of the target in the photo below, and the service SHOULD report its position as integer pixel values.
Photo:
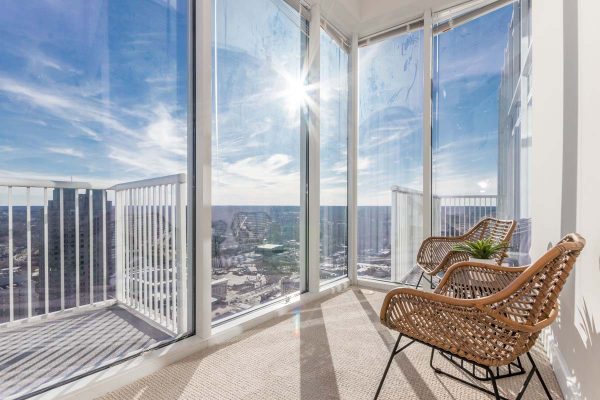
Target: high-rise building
(514, 130)
(90, 263)
(250, 228)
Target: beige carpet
(334, 349)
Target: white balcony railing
(451, 215)
(151, 249)
(93, 252)
(457, 214)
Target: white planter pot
(491, 261)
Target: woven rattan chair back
(533, 296)
(437, 255)
(491, 228)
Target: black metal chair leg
(431, 360)
(539, 375)
(419, 281)
(494, 385)
(430, 280)
(494, 393)
(489, 372)
(387, 368)
(525, 384)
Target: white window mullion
(204, 23)
(352, 164)
(314, 185)
(427, 158)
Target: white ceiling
(368, 16)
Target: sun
(295, 95)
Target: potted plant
(483, 250)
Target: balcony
(452, 215)
(88, 275)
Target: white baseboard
(567, 381)
(377, 284)
(385, 286)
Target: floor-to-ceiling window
(93, 185)
(390, 156)
(259, 118)
(481, 135)
(334, 103)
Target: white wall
(565, 179)
(547, 72)
(582, 346)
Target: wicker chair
(436, 254)
(482, 314)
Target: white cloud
(148, 163)
(363, 163)
(334, 196)
(484, 184)
(87, 131)
(158, 147)
(160, 150)
(257, 180)
(166, 132)
(162, 79)
(67, 151)
(39, 58)
(340, 167)
(61, 102)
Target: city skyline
(37, 249)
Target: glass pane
(481, 134)
(258, 122)
(390, 157)
(334, 159)
(93, 117)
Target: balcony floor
(332, 349)
(37, 354)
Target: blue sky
(256, 133)
(334, 122)
(97, 91)
(465, 101)
(93, 90)
(391, 117)
(258, 121)
(469, 61)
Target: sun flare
(296, 95)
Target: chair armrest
(473, 280)
(400, 294)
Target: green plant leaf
(482, 249)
